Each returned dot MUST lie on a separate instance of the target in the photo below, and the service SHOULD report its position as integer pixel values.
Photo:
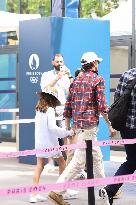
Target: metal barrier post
(89, 165)
(17, 133)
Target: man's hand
(64, 69)
(113, 132)
(61, 73)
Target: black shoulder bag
(118, 110)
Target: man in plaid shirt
(129, 132)
(85, 102)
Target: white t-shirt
(62, 84)
(47, 132)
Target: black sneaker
(104, 197)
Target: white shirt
(62, 84)
(47, 132)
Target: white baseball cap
(89, 57)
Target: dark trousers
(127, 167)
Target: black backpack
(118, 110)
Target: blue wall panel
(34, 40)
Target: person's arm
(68, 105)
(100, 96)
(122, 84)
(46, 80)
(68, 112)
(118, 89)
(111, 130)
(67, 123)
(59, 132)
(53, 82)
(102, 105)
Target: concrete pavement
(14, 174)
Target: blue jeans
(127, 167)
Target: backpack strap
(127, 90)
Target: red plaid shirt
(86, 100)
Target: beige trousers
(70, 153)
(79, 159)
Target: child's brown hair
(46, 100)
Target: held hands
(71, 133)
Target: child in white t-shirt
(46, 135)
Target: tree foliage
(29, 6)
(87, 7)
(97, 7)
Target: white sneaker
(104, 196)
(49, 168)
(34, 198)
(70, 194)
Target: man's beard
(57, 68)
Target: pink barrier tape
(114, 142)
(10, 122)
(66, 185)
(64, 148)
(10, 110)
(39, 151)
